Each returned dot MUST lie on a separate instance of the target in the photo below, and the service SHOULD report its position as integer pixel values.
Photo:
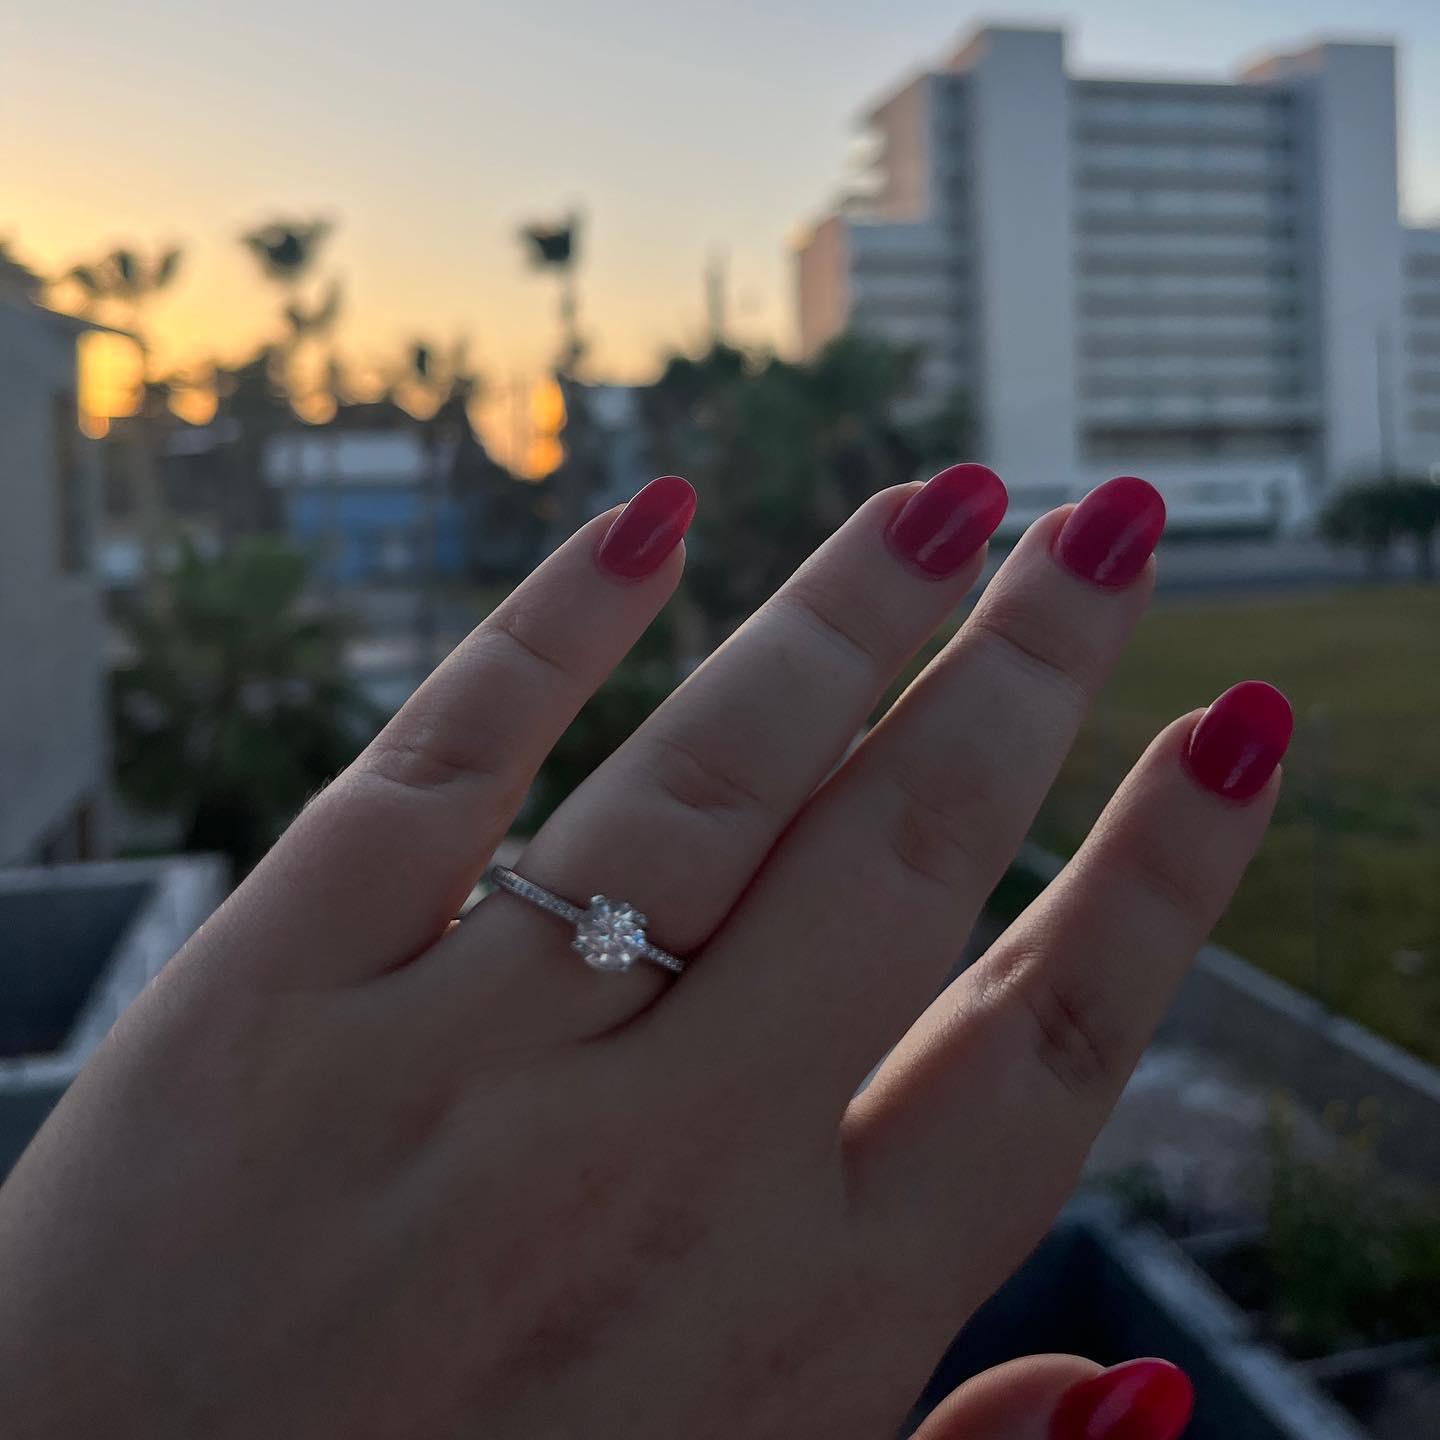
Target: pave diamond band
(609, 934)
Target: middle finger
(881, 877)
(678, 820)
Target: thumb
(1062, 1397)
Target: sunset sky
(429, 130)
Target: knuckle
(1039, 645)
(940, 829)
(510, 629)
(423, 761)
(430, 747)
(1065, 1035)
(709, 787)
(1171, 882)
(861, 639)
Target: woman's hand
(350, 1170)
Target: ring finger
(678, 820)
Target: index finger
(377, 866)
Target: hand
(350, 1170)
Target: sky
(430, 130)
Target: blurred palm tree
(253, 405)
(287, 251)
(126, 279)
(557, 248)
(305, 322)
(235, 706)
(442, 379)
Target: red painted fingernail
(1112, 532)
(1139, 1400)
(948, 519)
(1240, 739)
(647, 529)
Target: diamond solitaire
(609, 934)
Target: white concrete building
(1417, 360)
(1204, 283)
(53, 731)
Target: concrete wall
(53, 736)
(180, 893)
(1349, 203)
(1284, 1039)
(1020, 147)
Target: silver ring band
(609, 934)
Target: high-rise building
(1206, 283)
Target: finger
(1062, 1397)
(1014, 1401)
(1027, 1051)
(863, 909)
(677, 821)
(376, 867)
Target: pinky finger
(1025, 1054)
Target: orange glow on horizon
(197, 405)
(545, 451)
(110, 371)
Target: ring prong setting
(610, 935)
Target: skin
(349, 1169)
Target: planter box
(77, 944)
(1097, 1288)
(1393, 1387)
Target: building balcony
(1276, 344)
(1090, 129)
(1138, 175)
(1187, 254)
(1191, 408)
(1145, 109)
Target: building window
(73, 539)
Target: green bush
(235, 705)
(1375, 515)
(1353, 1259)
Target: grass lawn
(1362, 668)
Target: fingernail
(1112, 532)
(647, 529)
(948, 519)
(1240, 739)
(1139, 1400)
